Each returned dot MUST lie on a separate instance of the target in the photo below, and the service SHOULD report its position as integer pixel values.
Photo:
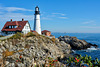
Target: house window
(9, 26)
(12, 26)
(15, 26)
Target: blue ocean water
(93, 38)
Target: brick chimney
(22, 19)
(11, 19)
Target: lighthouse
(37, 26)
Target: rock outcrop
(76, 43)
(28, 50)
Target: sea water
(93, 38)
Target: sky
(70, 16)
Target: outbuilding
(46, 32)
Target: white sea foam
(91, 49)
(73, 51)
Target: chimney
(22, 19)
(11, 19)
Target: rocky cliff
(21, 50)
(76, 43)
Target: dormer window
(7, 27)
(14, 26)
(10, 27)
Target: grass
(16, 36)
(30, 34)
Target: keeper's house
(12, 27)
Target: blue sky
(70, 16)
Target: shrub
(35, 34)
(30, 34)
(17, 36)
(83, 60)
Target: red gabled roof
(45, 31)
(20, 25)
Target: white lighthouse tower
(37, 26)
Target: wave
(91, 49)
(73, 51)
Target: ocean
(93, 38)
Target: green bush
(83, 60)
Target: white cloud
(59, 14)
(16, 9)
(88, 22)
(15, 16)
(6, 13)
(45, 18)
(63, 17)
(10, 9)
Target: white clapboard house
(12, 27)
